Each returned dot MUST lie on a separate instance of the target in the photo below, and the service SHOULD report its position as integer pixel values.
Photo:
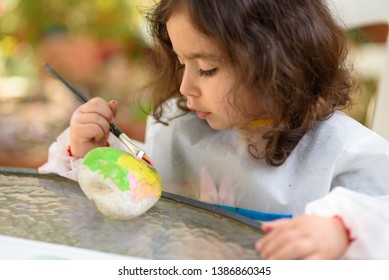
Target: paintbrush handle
(78, 94)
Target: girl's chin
(217, 125)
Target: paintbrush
(135, 150)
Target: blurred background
(100, 47)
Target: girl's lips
(202, 115)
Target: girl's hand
(304, 237)
(89, 125)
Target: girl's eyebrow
(201, 55)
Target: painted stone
(121, 186)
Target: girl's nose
(188, 85)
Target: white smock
(339, 168)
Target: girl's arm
(343, 224)
(366, 217)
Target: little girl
(246, 96)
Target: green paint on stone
(104, 161)
(116, 165)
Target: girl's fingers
(93, 132)
(313, 256)
(98, 106)
(93, 126)
(113, 105)
(89, 126)
(286, 239)
(298, 249)
(304, 237)
(268, 226)
(273, 242)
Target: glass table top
(53, 209)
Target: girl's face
(207, 82)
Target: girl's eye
(207, 73)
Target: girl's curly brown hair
(290, 54)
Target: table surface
(54, 210)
